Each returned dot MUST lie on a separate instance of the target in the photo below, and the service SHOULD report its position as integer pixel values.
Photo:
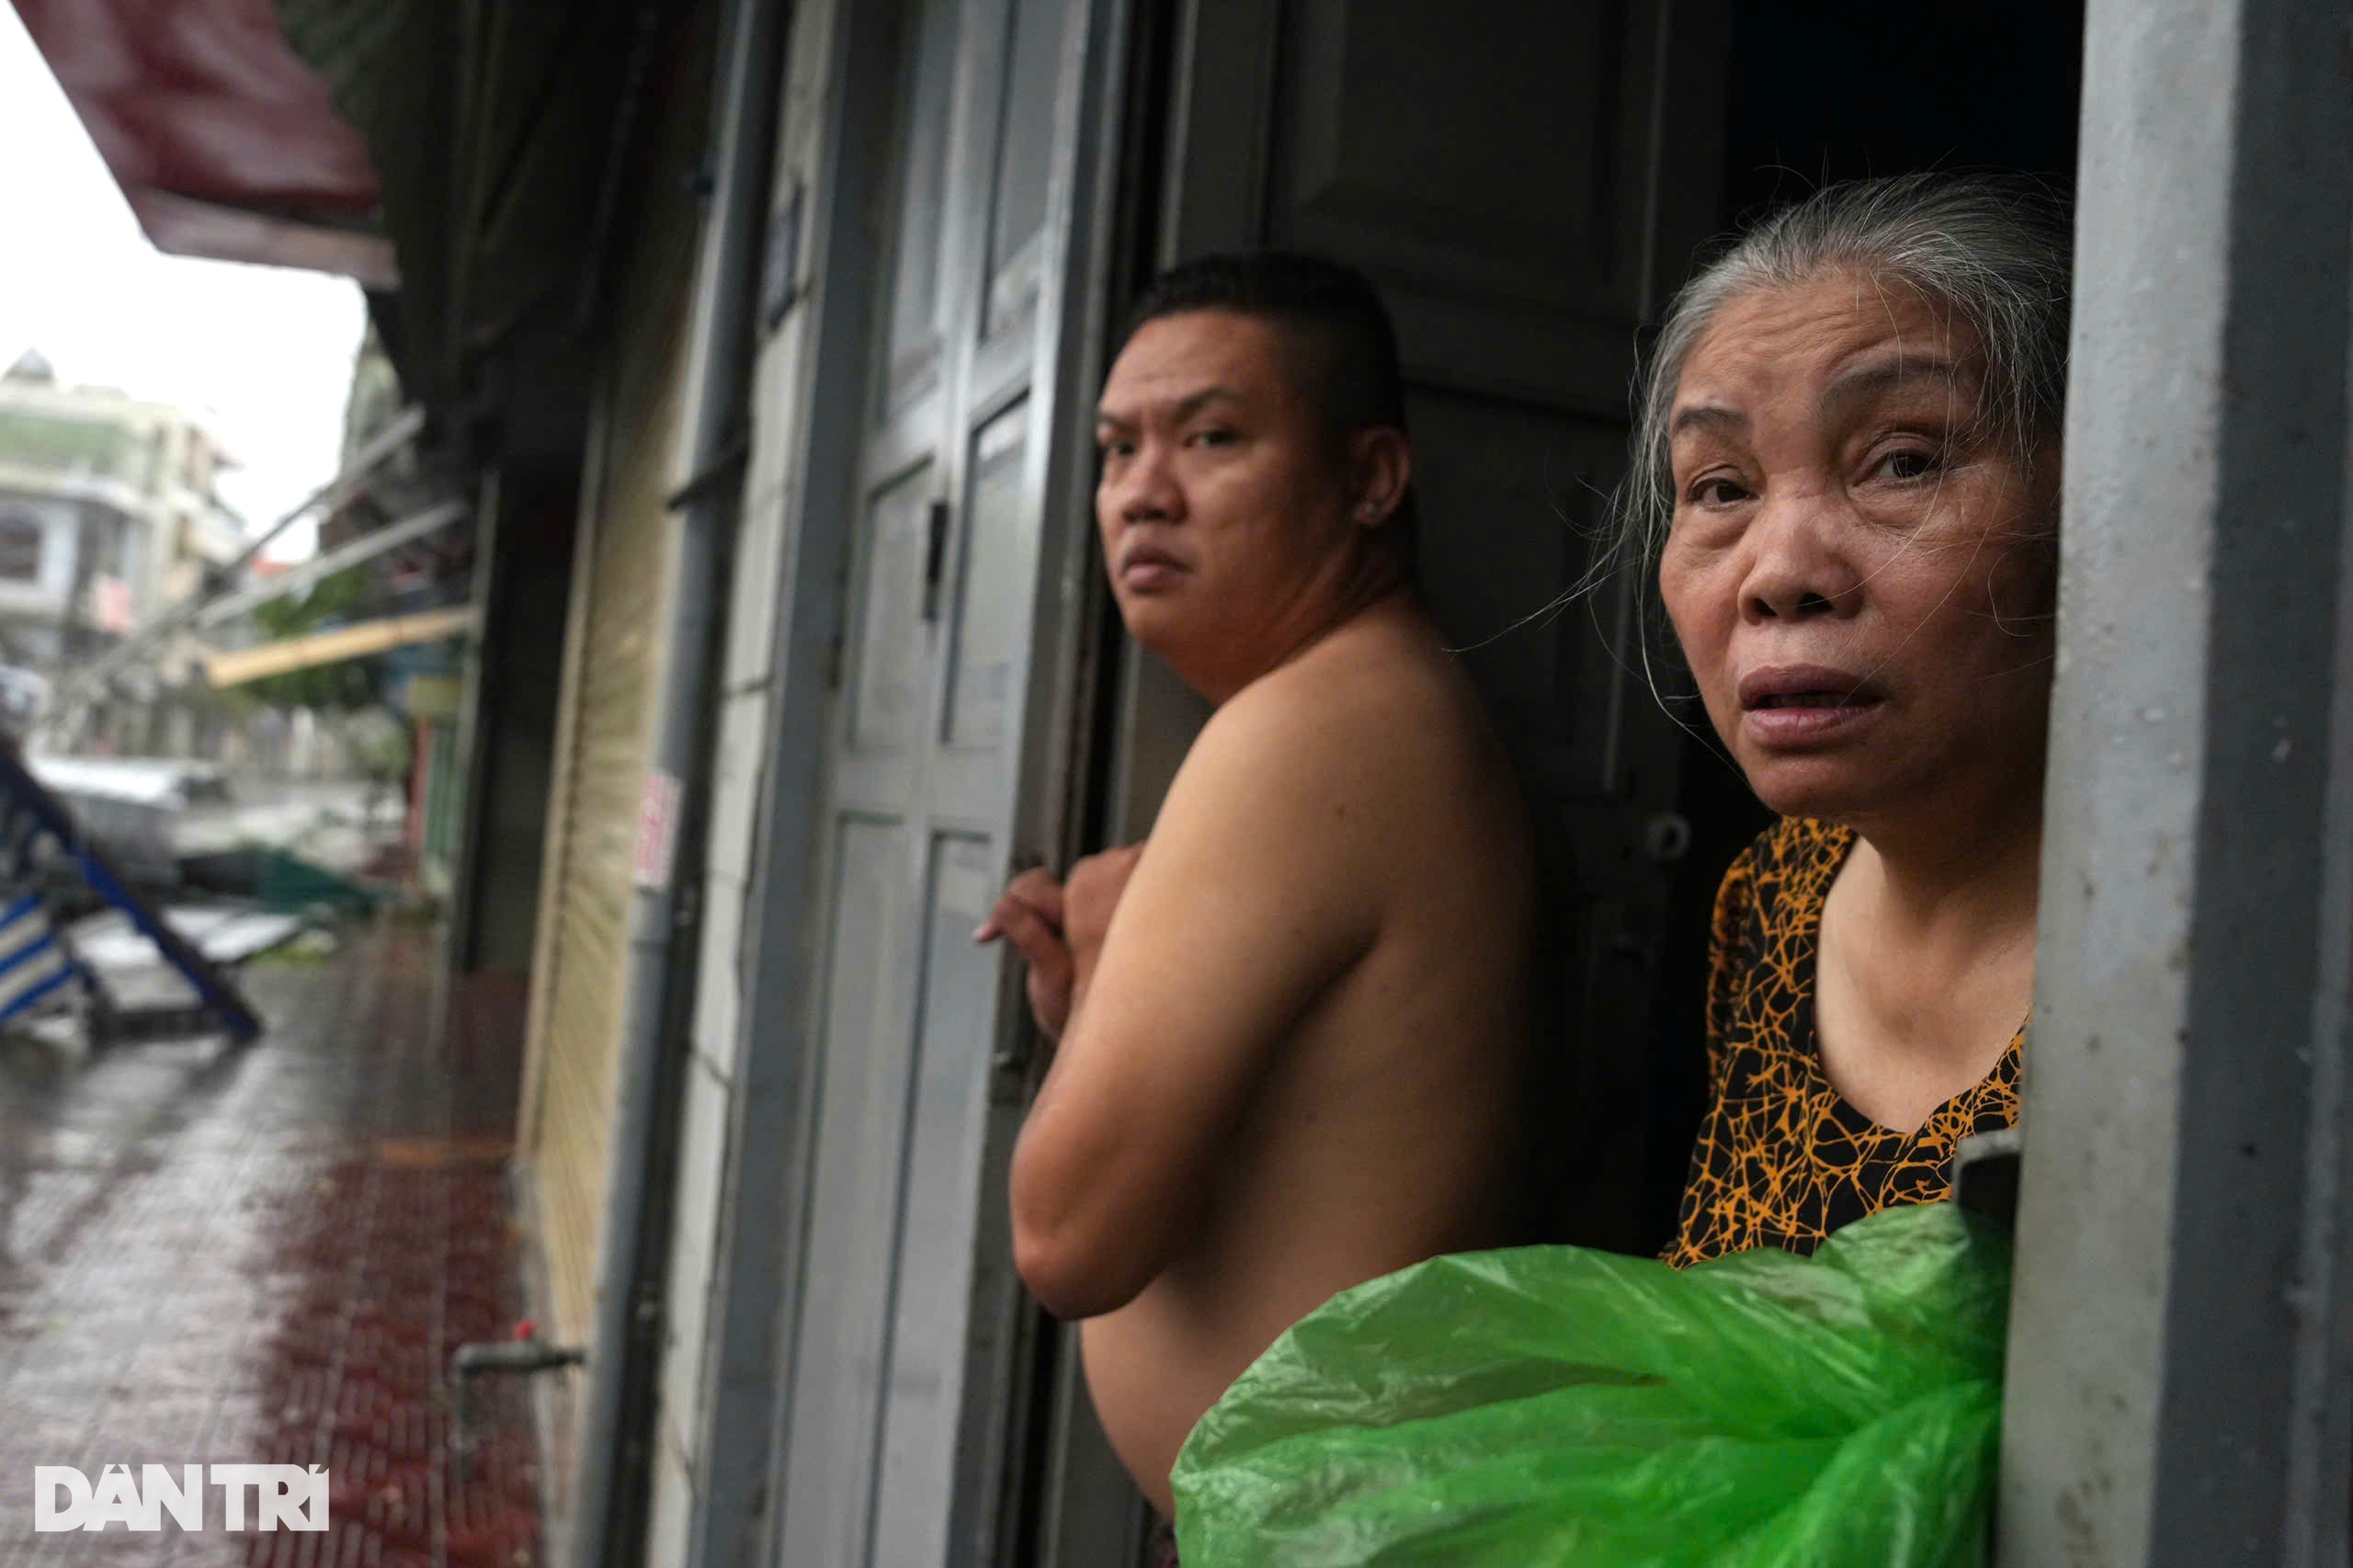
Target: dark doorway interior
(1839, 89)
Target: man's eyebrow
(1184, 408)
(1707, 417)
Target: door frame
(772, 1124)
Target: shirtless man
(1290, 1026)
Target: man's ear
(1381, 465)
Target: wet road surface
(268, 1256)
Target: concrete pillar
(2179, 1357)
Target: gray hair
(1995, 251)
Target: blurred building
(109, 509)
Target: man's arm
(1257, 889)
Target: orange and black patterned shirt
(1782, 1160)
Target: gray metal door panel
(887, 674)
(929, 744)
(922, 1390)
(834, 1410)
(1490, 164)
(918, 301)
(1024, 164)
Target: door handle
(935, 561)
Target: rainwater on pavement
(217, 1255)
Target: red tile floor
(217, 1255)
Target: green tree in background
(348, 686)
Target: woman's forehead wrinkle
(1753, 348)
(1858, 386)
(1853, 355)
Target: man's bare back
(1387, 1122)
(1292, 1025)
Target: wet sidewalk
(210, 1256)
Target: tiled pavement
(214, 1256)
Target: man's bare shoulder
(1383, 680)
(1369, 723)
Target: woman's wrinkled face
(1858, 568)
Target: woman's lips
(1801, 705)
(1808, 724)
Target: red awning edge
(185, 227)
(225, 141)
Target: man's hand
(1058, 929)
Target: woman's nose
(1796, 570)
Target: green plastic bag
(1550, 1408)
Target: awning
(465, 160)
(343, 643)
(225, 141)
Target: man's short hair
(1331, 313)
(1343, 346)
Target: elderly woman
(1847, 476)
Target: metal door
(942, 726)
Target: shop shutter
(612, 676)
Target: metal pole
(392, 536)
(334, 493)
(661, 965)
(2179, 1384)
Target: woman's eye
(1716, 490)
(1908, 463)
(1213, 437)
